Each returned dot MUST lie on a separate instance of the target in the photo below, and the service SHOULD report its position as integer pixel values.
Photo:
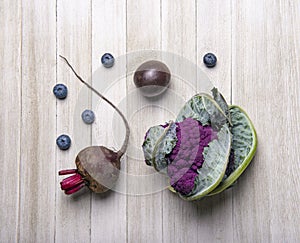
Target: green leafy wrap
(205, 150)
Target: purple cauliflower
(187, 155)
(205, 150)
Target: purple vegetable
(187, 155)
(205, 150)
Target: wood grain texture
(37, 170)
(192, 37)
(214, 214)
(143, 217)
(266, 83)
(108, 216)
(73, 213)
(10, 106)
(257, 44)
(179, 37)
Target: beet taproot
(98, 167)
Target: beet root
(97, 168)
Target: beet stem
(70, 178)
(71, 185)
(74, 189)
(126, 140)
(67, 172)
(71, 181)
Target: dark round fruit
(152, 78)
(63, 142)
(88, 116)
(107, 60)
(210, 60)
(60, 91)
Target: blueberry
(63, 142)
(210, 60)
(88, 116)
(107, 60)
(60, 91)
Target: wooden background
(257, 43)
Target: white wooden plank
(37, 171)
(144, 213)
(10, 106)
(74, 42)
(108, 216)
(205, 221)
(214, 35)
(265, 82)
(265, 65)
(179, 37)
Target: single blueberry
(107, 60)
(88, 116)
(210, 60)
(60, 91)
(63, 142)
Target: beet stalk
(97, 166)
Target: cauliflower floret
(187, 155)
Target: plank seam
(91, 104)
(20, 131)
(56, 61)
(196, 58)
(162, 193)
(126, 49)
(231, 48)
(231, 92)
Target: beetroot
(97, 166)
